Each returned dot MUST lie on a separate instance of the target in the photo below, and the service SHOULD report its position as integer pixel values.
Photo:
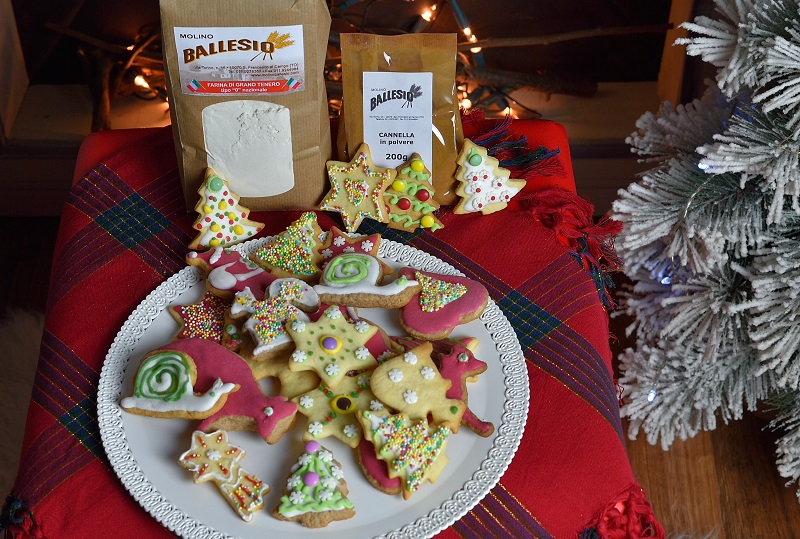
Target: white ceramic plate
(144, 451)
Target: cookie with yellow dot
(357, 189)
(221, 219)
(410, 198)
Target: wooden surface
(722, 484)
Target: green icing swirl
(163, 376)
(347, 269)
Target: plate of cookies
(313, 382)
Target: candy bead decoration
(221, 220)
(357, 189)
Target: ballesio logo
(383, 95)
(209, 47)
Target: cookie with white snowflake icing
(484, 186)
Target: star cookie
(204, 319)
(357, 189)
(410, 198)
(331, 346)
(221, 220)
(334, 412)
(484, 186)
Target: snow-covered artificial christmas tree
(711, 238)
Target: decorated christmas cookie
(444, 302)
(221, 220)
(295, 251)
(315, 493)
(375, 470)
(164, 387)
(228, 272)
(412, 384)
(414, 451)
(457, 362)
(484, 186)
(334, 412)
(357, 189)
(353, 279)
(332, 346)
(212, 458)
(248, 408)
(267, 317)
(204, 319)
(410, 198)
(338, 242)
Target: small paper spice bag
(399, 97)
(247, 97)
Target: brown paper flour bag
(399, 96)
(247, 97)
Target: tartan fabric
(125, 229)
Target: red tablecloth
(125, 229)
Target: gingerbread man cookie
(357, 189)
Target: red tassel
(629, 517)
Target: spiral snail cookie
(204, 319)
(221, 219)
(228, 272)
(357, 189)
(338, 242)
(352, 279)
(315, 492)
(483, 185)
(164, 387)
(443, 302)
(410, 198)
(248, 408)
(413, 449)
(212, 458)
(295, 251)
(412, 384)
(332, 346)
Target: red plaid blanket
(125, 229)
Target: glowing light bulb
(427, 15)
(141, 82)
(472, 39)
(651, 395)
(466, 103)
(507, 111)
(467, 31)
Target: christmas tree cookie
(414, 451)
(315, 493)
(410, 198)
(295, 251)
(221, 220)
(484, 186)
(357, 189)
(212, 458)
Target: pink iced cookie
(246, 409)
(375, 470)
(228, 272)
(444, 302)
